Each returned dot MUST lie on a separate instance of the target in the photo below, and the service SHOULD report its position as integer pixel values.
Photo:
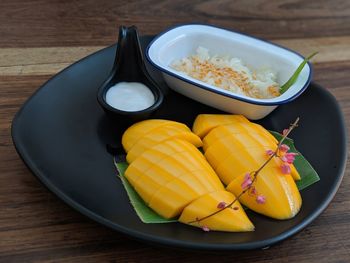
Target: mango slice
(170, 166)
(170, 174)
(230, 220)
(176, 180)
(283, 200)
(170, 199)
(241, 154)
(204, 123)
(246, 135)
(242, 129)
(236, 149)
(140, 129)
(160, 134)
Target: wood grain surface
(39, 38)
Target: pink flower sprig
(247, 182)
(260, 199)
(221, 205)
(285, 169)
(289, 157)
(286, 157)
(249, 178)
(284, 148)
(205, 229)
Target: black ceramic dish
(129, 66)
(61, 134)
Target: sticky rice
(229, 73)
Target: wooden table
(38, 38)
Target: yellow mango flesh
(173, 174)
(242, 136)
(139, 129)
(153, 179)
(283, 200)
(239, 152)
(158, 135)
(229, 220)
(174, 178)
(238, 163)
(234, 152)
(162, 150)
(180, 191)
(170, 175)
(204, 123)
(146, 163)
(243, 128)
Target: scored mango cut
(204, 123)
(282, 196)
(240, 136)
(172, 164)
(146, 162)
(140, 129)
(166, 169)
(230, 219)
(242, 162)
(241, 149)
(170, 199)
(241, 152)
(242, 129)
(173, 174)
(158, 135)
(162, 150)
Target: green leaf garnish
(308, 177)
(296, 74)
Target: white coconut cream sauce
(130, 96)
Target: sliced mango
(171, 174)
(282, 196)
(161, 151)
(158, 135)
(167, 167)
(220, 142)
(206, 122)
(253, 158)
(294, 172)
(140, 129)
(148, 180)
(170, 199)
(241, 149)
(237, 157)
(243, 129)
(175, 179)
(147, 185)
(230, 220)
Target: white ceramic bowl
(182, 41)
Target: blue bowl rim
(233, 96)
